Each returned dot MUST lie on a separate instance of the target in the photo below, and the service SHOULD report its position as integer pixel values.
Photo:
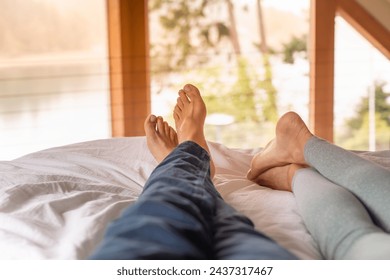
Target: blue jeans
(180, 215)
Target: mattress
(57, 203)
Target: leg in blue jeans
(180, 215)
(235, 238)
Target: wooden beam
(360, 19)
(129, 66)
(321, 55)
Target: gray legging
(344, 200)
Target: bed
(56, 203)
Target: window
(362, 92)
(53, 74)
(248, 75)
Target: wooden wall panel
(129, 66)
(321, 55)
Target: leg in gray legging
(345, 202)
(368, 181)
(337, 220)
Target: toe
(172, 135)
(166, 129)
(191, 91)
(177, 110)
(179, 103)
(183, 98)
(249, 175)
(150, 125)
(176, 116)
(160, 124)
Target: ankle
(302, 143)
(291, 173)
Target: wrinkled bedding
(56, 203)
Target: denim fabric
(180, 215)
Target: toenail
(152, 118)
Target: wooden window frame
(130, 70)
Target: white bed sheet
(56, 203)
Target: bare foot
(278, 178)
(160, 137)
(287, 147)
(190, 114)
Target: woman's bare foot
(190, 114)
(278, 178)
(287, 147)
(160, 137)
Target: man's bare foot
(160, 137)
(278, 178)
(287, 147)
(190, 114)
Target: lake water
(47, 104)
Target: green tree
(357, 133)
(185, 31)
(237, 100)
(270, 103)
(295, 45)
(270, 109)
(191, 33)
(382, 107)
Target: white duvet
(56, 203)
